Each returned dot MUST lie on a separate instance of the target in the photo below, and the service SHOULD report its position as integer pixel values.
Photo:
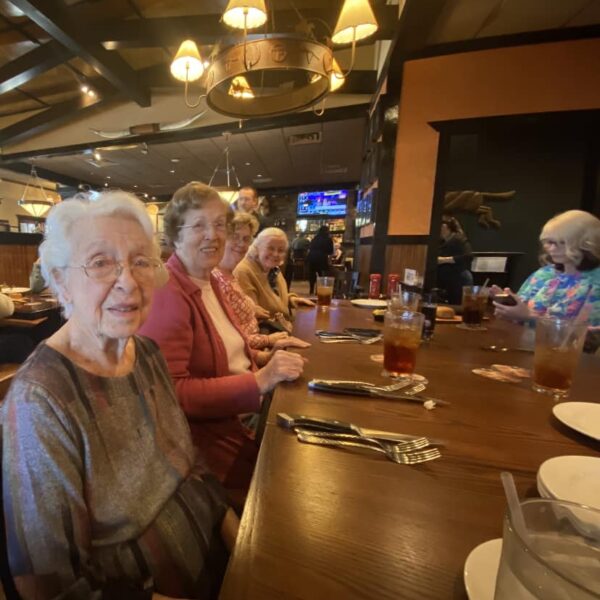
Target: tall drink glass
(404, 300)
(558, 345)
(474, 303)
(401, 339)
(324, 292)
(557, 557)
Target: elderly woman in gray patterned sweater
(104, 496)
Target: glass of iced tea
(401, 339)
(324, 291)
(558, 346)
(474, 303)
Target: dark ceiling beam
(208, 29)
(56, 115)
(58, 23)
(25, 169)
(39, 60)
(340, 113)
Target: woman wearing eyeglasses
(197, 331)
(569, 280)
(98, 458)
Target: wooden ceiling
(123, 48)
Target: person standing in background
(319, 251)
(247, 202)
(454, 259)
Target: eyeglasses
(202, 227)
(240, 239)
(108, 269)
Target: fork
(409, 445)
(392, 453)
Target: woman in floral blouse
(569, 281)
(243, 228)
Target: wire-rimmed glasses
(142, 268)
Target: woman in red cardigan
(207, 355)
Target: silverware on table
(392, 452)
(494, 348)
(410, 445)
(331, 425)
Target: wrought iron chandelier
(275, 74)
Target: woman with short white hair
(569, 280)
(259, 275)
(103, 493)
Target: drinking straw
(485, 284)
(514, 506)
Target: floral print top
(243, 307)
(553, 293)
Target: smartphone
(505, 299)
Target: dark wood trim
(25, 169)
(430, 278)
(10, 238)
(417, 21)
(555, 118)
(281, 191)
(52, 117)
(56, 21)
(504, 41)
(304, 118)
(209, 29)
(25, 68)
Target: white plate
(571, 478)
(15, 290)
(580, 416)
(481, 569)
(369, 303)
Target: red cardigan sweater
(211, 398)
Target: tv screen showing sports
(330, 204)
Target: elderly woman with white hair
(569, 280)
(260, 276)
(104, 495)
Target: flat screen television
(329, 204)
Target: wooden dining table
(328, 523)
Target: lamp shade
(36, 208)
(336, 77)
(356, 22)
(240, 88)
(187, 64)
(229, 195)
(245, 14)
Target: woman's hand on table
(519, 312)
(297, 301)
(289, 341)
(276, 337)
(283, 366)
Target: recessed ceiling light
(134, 185)
(174, 160)
(247, 164)
(259, 175)
(106, 184)
(145, 195)
(172, 171)
(108, 177)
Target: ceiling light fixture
(275, 74)
(356, 22)
(35, 206)
(187, 66)
(226, 192)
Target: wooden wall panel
(363, 264)
(405, 256)
(16, 261)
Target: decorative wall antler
(146, 128)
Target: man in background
(247, 202)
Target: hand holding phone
(505, 299)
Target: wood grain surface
(325, 523)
